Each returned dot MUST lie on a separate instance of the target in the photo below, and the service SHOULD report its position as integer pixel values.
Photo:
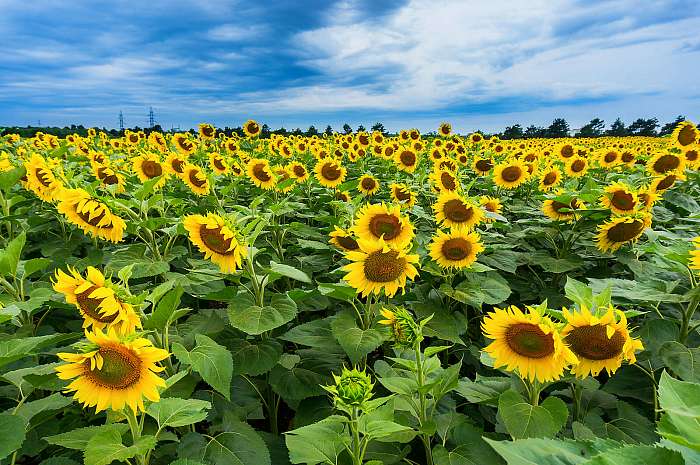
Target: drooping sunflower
(685, 135)
(91, 215)
(377, 266)
(175, 164)
(599, 342)
(621, 230)
(576, 166)
(251, 128)
(662, 183)
(330, 173)
(550, 178)
(109, 177)
(116, 373)
(528, 343)
(620, 199)
(384, 221)
(510, 174)
(298, 171)
(692, 157)
(406, 159)
(452, 210)
(665, 163)
(457, 249)
(218, 163)
(343, 239)
(368, 184)
(97, 301)
(445, 129)
(563, 211)
(217, 240)
(647, 198)
(260, 173)
(147, 167)
(343, 196)
(402, 195)
(41, 179)
(196, 179)
(491, 205)
(694, 262)
(183, 144)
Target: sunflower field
(438, 299)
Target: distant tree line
(559, 128)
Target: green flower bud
(352, 388)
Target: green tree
(594, 128)
(513, 132)
(346, 128)
(669, 127)
(558, 128)
(617, 129)
(378, 127)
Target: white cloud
(234, 32)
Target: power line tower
(121, 121)
(151, 118)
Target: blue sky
(407, 63)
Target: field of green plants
(364, 298)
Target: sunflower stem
(535, 390)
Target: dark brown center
(381, 267)
(529, 340)
(456, 249)
(215, 240)
(592, 342)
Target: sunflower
(384, 221)
(628, 158)
(565, 151)
(475, 138)
(343, 239)
(218, 164)
(692, 157)
(662, 183)
(214, 237)
(41, 179)
(283, 174)
(91, 215)
(298, 171)
(482, 165)
(445, 129)
(621, 230)
(620, 199)
(526, 342)
(491, 205)
(330, 173)
(183, 144)
(599, 342)
(685, 135)
(343, 196)
(452, 210)
(207, 131)
(97, 301)
(665, 163)
(406, 159)
(157, 141)
(147, 167)
(403, 195)
(576, 166)
(647, 198)
(550, 178)
(117, 373)
(562, 210)
(694, 261)
(260, 173)
(609, 158)
(457, 249)
(510, 174)
(378, 266)
(368, 184)
(196, 179)
(444, 180)
(109, 177)
(251, 128)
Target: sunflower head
(685, 135)
(368, 184)
(621, 230)
(196, 179)
(453, 210)
(455, 250)
(251, 128)
(694, 255)
(330, 173)
(620, 199)
(91, 215)
(549, 178)
(343, 239)
(528, 343)
(576, 166)
(600, 341)
(382, 221)
(260, 172)
(405, 331)
(217, 239)
(402, 195)
(510, 174)
(406, 159)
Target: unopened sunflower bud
(404, 329)
(352, 388)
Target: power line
(121, 121)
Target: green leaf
(9, 256)
(11, 177)
(471, 449)
(356, 342)
(13, 434)
(484, 390)
(106, 446)
(186, 462)
(340, 291)
(680, 401)
(78, 438)
(211, 360)
(315, 333)
(579, 293)
(383, 428)
(55, 401)
(164, 309)
(526, 421)
(252, 319)
(289, 271)
(320, 442)
(31, 266)
(638, 454)
(542, 451)
(255, 357)
(175, 412)
(241, 445)
(682, 360)
(482, 288)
